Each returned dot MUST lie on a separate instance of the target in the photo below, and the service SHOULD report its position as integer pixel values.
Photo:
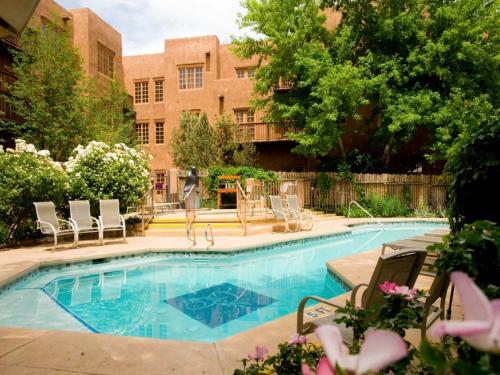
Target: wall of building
(220, 83)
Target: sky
(145, 24)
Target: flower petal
(474, 303)
(331, 340)
(306, 370)
(459, 328)
(324, 367)
(380, 349)
(495, 329)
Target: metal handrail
(190, 215)
(365, 211)
(241, 206)
(212, 239)
(145, 208)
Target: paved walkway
(31, 351)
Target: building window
(239, 116)
(251, 72)
(159, 183)
(159, 90)
(160, 132)
(250, 117)
(105, 59)
(141, 92)
(191, 78)
(142, 131)
(240, 73)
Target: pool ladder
(209, 230)
(365, 211)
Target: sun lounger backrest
(400, 267)
(293, 202)
(110, 213)
(438, 288)
(80, 213)
(277, 207)
(46, 212)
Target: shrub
(476, 251)
(3, 233)
(380, 206)
(27, 176)
(99, 171)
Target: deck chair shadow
(402, 268)
(284, 214)
(48, 223)
(306, 217)
(82, 221)
(110, 218)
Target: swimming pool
(200, 297)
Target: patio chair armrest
(122, 220)
(295, 214)
(74, 224)
(302, 304)
(68, 222)
(39, 224)
(355, 291)
(96, 221)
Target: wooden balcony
(267, 131)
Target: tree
(416, 62)
(233, 146)
(192, 142)
(109, 113)
(60, 107)
(48, 93)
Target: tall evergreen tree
(192, 142)
(48, 93)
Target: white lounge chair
(306, 217)
(110, 218)
(284, 214)
(81, 219)
(48, 223)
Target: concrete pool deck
(35, 351)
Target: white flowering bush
(27, 176)
(99, 171)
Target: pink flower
(260, 353)
(380, 349)
(324, 368)
(391, 288)
(481, 324)
(388, 287)
(297, 339)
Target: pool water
(196, 298)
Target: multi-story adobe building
(99, 45)
(200, 74)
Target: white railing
(365, 211)
(208, 229)
(190, 207)
(241, 206)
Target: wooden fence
(415, 190)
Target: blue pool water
(196, 297)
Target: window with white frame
(159, 90)
(142, 131)
(160, 132)
(105, 57)
(239, 116)
(191, 78)
(141, 92)
(251, 72)
(250, 117)
(240, 73)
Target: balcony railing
(267, 131)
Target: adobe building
(200, 74)
(100, 45)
